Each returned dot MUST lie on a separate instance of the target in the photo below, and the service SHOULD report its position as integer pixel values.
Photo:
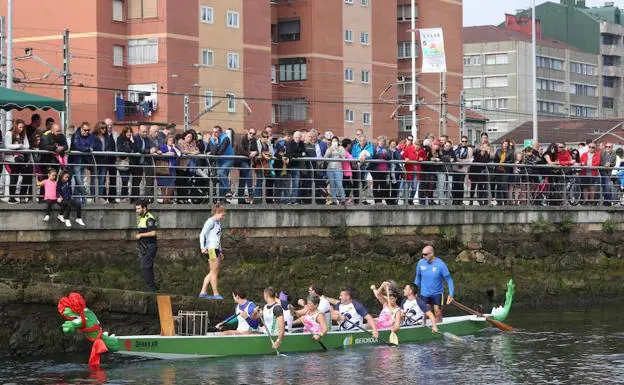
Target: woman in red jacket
(590, 177)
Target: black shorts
(433, 300)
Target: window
(273, 74)
(609, 60)
(473, 103)
(233, 61)
(364, 3)
(365, 76)
(293, 110)
(118, 7)
(364, 38)
(118, 51)
(348, 1)
(143, 93)
(206, 14)
(142, 51)
(142, 9)
(582, 89)
(607, 102)
(583, 69)
(550, 85)
(292, 69)
(546, 62)
(472, 83)
(233, 19)
(405, 49)
(348, 74)
(288, 30)
(366, 118)
(208, 99)
(274, 112)
(609, 39)
(496, 104)
(405, 123)
(496, 59)
(496, 81)
(405, 86)
(404, 13)
(497, 126)
(608, 81)
(472, 60)
(550, 107)
(231, 102)
(349, 114)
(348, 35)
(207, 57)
(587, 112)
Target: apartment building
(498, 78)
(596, 30)
(445, 14)
(331, 61)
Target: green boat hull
(185, 347)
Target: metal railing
(114, 177)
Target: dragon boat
(207, 345)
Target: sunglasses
(592, 146)
(252, 133)
(464, 141)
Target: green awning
(18, 100)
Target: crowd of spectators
(301, 168)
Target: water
(554, 347)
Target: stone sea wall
(557, 259)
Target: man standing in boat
(350, 313)
(430, 272)
(147, 224)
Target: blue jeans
(79, 188)
(244, 180)
(223, 173)
(257, 193)
(101, 180)
(607, 186)
(335, 184)
(293, 193)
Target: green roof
(17, 100)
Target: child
(65, 200)
(49, 192)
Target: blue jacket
(222, 147)
(142, 146)
(64, 190)
(82, 144)
(109, 146)
(357, 149)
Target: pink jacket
(346, 166)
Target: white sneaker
(61, 218)
(46, 218)
(80, 222)
(67, 223)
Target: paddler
(273, 317)
(431, 271)
(350, 313)
(146, 235)
(242, 315)
(324, 306)
(391, 314)
(415, 309)
(314, 319)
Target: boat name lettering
(146, 344)
(359, 341)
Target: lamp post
(413, 52)
(534, 58)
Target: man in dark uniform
(147, 223)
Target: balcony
(611, 29)
(612, 71)
(612, 50)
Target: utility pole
(187, 117)
(66, 115)
(443, 105)
(9, 56)
(413, 52)
(2, 76)
(462, 115)
(534, 77)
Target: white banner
(432, 43)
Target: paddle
(497, 324)
(294, 313)
(269, 335)
(371, 333)
(393, 337)
(217, 326)
(448, 335)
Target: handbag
(122, 164)
(162, 167)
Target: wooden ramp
(165, 314)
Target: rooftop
(492, 33)
(569, 131)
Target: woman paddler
(210, 243)
(391, 314)
(313, 320)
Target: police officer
(147, 223)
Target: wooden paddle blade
(453, 337)
(394, 339)
(499, 325)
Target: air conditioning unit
(401, 79)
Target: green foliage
(448, 233)
(609, 226)
(376, 234)
(341, 232)
(566, 225)
(540, 226)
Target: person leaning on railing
(479, 175)
(590, 176)
(17, 164)
(105, 164)
(167, 179)
(125, 143)
(82, 142)
(445, 181)
(55, 142)
(396, 173)
(143, 165)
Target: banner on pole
(432, 43)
